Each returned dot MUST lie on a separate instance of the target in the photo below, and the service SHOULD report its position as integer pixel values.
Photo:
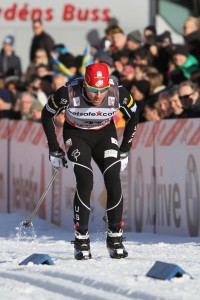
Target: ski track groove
(47, 282)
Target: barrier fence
(161, 185)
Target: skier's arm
(128, 108)
(56, 102)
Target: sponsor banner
(161, 185)
(178, 178)
(73, 23)
(30, 173)
(4, 207)
(29, 169)
(166, 178)
(141, 179)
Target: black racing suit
(89, 133)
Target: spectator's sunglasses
(96, 90)
(186, 96)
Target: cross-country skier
(89, 133)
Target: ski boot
(114, 243)
(81, 245)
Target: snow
(99, 278)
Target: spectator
(106, 41)
(189, 96)
(36, 111)
(62, 60)
(35, 88)
(151, 45)
(134, 40)
(126, 76)
(152, 111)
(42, 70)
(162, 59)
(10, 64)
(150, 30)
(40, 58)
(140, 92)
(177, 109)
(24, 104)
(118, 41)
(121, 60)
(139, 72)
(105, 58)
(183, 61)
(46, 85)
(58, 81)
(191, 34)
(5, 103)
(156, 82)
(142, 56)
(165, 105)
(40, 40)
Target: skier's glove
(58, 159)
(124, 160)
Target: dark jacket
(192, 42)
(194, 111)
(10, 65)
(43, 41)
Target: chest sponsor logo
(91, 114)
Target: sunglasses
(96, 90)
(185, 96)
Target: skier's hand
(124, 160)
(58, 159)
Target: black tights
(102, 146)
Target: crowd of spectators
(162, 76)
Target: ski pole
(27, 223)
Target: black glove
(58, 159)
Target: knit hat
(105, 58)
(152, 28)
(97, 75)
(164, 37)
(135, 36)
(9, 39)
(179, 49)
(60, 49)
(143, 86)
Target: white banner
(73, 24)
(166, 178)
(161, 186)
